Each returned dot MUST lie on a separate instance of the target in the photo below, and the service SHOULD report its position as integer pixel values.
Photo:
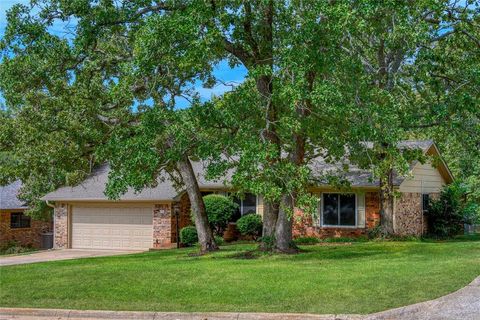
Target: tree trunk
(205, 234)
(386, 203)
(270, 215)
(284, 227)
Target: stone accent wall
(162, 225)
(27, 237)
(61, 226)
(182, 207)
(372, 209)
(409, 219)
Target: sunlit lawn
(337, 278)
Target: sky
(222, 71)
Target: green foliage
(306, 241)
(14, 247)
(219, 240)
(219, 210)
(188, 236)
(250, 225)
(445, 215)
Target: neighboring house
(15, 225)
(85, 218)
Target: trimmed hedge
(188, 236)
(220, 210)
(250, 225)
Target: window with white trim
(339, 209)
(247, 205)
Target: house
(15, 225)
(85, 218)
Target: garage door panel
(112, 227)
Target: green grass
(360, 277)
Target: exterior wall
(182, 207)
(28, 237)
(408, 219)
(162, 225)
(60, 230)
(425, 179)
(368, 216)
(372, 209)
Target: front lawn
(338, 278)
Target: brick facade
(27, 237)
(60, 232)
(182, 208)
(304, 226)
(372, 209)
(162, 225)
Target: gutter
(49, 204)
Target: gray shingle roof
(8, 196)
(92, 189)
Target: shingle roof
(93, 187)
(8, 196)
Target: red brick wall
(30, 237)
(372, 209)
(184, 218)
(303, 226)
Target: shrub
(219, 210)
(250, 225)
(219, 240)
(188, 236)
(14, 247)
(306, 241)
(445, 215)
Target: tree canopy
(323, 78)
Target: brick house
(85, 218)
(15, 225)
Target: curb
(98, 314)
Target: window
(19, 220)
(246, 205)
(339, 209)
(425, 201)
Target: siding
(425, 179)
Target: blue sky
(222, 71)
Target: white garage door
(112, 227)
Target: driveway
(63, 254)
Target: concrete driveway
(63, 254)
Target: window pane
(425, 201)
(237, 214)
(25, 221)
(347, 209)
(249, 203)
(330, 209)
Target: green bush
(219, 240)
(250, 225)
(14, 247)
(445, 215)
(220, 210)
(188, 236)
(306, 241)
